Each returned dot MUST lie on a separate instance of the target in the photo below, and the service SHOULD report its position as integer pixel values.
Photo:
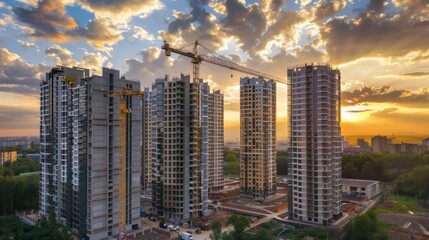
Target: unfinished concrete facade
(179, 148)
(146, 179)
(258, 153)
(216, 141)
(314, 160)
(80, 165)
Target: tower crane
(197, 58)
(122, 188)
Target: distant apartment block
(380, 144)
(258, 153)
(215, 140)
(314, 161)
(90, 152)
(363, 145)
(179, 148)
(407, 148)
(7, 156)
(24, 142)
(425, 142)
(345, 144)
(146, 178)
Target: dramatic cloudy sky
(381, 48)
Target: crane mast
(122, 188)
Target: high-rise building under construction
(90, 152)
(258, 169)
(146, 178)
(215, 140)
(181, 121)
(314, 161)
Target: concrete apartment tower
(314, 161)
(85, 179)
(380, 144)
(258, 151)
(216, 138)
(179, 148)
(146, 178)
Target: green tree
(227, 236)
(263, 234)
(216, 231)
(232, 168)
(239, 223)
(364, 227)
(231, 158)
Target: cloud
(401, 119)
(47, 20)
(121, 11)
(376, 5)
(64, 57)
(18, 117)
(100, 34)
(196, 25)
(375, 34)
(26, 44)
(416, 99)
(139, 33)
(153, 65)
(17, 76)
(327, 8)
(244, 22)
(415, 74)
(359, 111)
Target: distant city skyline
(384, 74)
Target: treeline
(367, 165)
(232, 162)
(414, 183)
(18, 193)
(365, 226)
(12, 228)
(34, 148)
(380, 166)
(21, 165)
(281, 162)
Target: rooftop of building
(358, 182)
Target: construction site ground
(408, 220)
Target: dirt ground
(411, 223)
(400, 235)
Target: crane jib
(197, 58)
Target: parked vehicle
(186, 236)
(163, 225)
(143, 214)
(173, 228)
(201, 226)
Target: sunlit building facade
(179, 148)
(314, 161)
(216, 144)
(258, 150)
(84, 179)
